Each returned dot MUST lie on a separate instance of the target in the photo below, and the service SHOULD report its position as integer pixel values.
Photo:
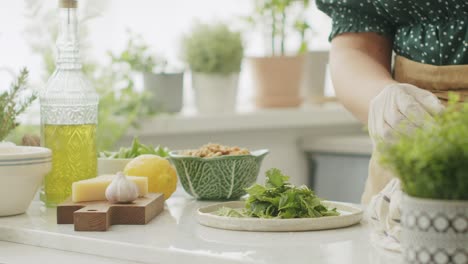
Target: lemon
(162, 177)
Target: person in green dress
(430, 41)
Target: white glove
(397, 103)
(398, 108)
(383, 213)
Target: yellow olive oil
(74, 158)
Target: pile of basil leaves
(279, 199)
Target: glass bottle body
(69, 106)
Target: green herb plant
(280, 199)
(280, 18)
(213, 49)
(432, 161)
(135, 150)
(120, 106)
(13, 103)
(138, 55)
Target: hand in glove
(398, 103)
(383, 213)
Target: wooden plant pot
(278, 80)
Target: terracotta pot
(434, 231)
(278, 80)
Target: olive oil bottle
(69, 106)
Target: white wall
(161, 22)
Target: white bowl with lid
(22, 170)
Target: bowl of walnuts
(217, 172)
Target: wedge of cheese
(95, 189)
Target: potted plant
(278, 77)
(432, 166)
(164, 84)
(14, 102)
(214, 54)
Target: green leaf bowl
(217, 178)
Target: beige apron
(437, 79)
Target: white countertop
(176, 237)
(14, 253)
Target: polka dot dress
(427, 31)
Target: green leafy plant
(120, 106)
(302, 28)
(432, 161)
(213, 49)
(281, 17)
(13, 103)
(138, 55)
(280, 199)
(135, 150)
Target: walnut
(31, 140)
(216, 150)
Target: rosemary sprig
(13, 103)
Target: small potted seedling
(163, 81)
(432, 165)
(214, 54)
(278, 75)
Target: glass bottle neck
(67, 42)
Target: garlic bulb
(121, 190)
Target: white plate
(349, 215)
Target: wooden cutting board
(100, 215)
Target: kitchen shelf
(307, 116)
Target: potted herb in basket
(432, 164)
(164, 83)
(214, 54)
(278, 77)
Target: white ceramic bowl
(21, 172)
(111, 166)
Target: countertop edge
(116, 250)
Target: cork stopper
(68, 3)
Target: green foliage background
(120, 106)
(138, 55)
